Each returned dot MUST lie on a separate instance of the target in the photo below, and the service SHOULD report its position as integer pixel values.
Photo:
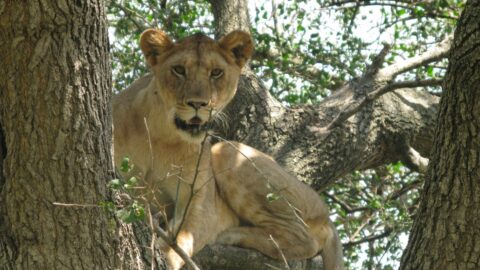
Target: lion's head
(195, 77)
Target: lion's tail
(332, 253)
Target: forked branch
(380, 80)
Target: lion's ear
(240, 44)
(154, 42)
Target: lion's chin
(194, 131)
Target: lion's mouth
(194, 126)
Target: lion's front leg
(206, 217)
(186, 228)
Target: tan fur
(230, 204)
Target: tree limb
(440, 51)
(369, 238)
(217, 256)
(379, 80)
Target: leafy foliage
(306, 50)
(374, 212)
(132, 210)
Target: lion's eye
(216, 73)
(179, 71)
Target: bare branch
(412, 84)
(345, 205)
(383, 77)
(281, 252)
(414, 160)
(397, 193)
(379, 59)
(435, 54)
(154, 235)
(370, 238)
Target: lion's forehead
(197, 58)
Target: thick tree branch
(379, 80)
(234, 258)
(378, 60)
(356, 106)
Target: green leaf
(376, 204)
(430, 71)
(272, 197)
(115, 184)
(133, 213)
(419, 11)
(125, 166)
(133, 181)
(138, 211)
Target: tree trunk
(55, 114)
(446, 232)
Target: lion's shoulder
(128, 95)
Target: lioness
(161, 121)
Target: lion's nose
(196, 104)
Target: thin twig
(344, 205)
(149, 142)
(195, 177)
(367, 219)
(152, 228)
(370, 238)
(192, 191)
(76, 205)
(188, 261)
(281, 252)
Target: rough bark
(232, 258)
(55, 114)
(446, 232)
(224, 24)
